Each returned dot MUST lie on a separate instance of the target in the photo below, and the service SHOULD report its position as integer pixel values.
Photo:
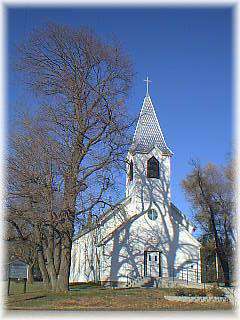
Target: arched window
(130, 174)
(153, 168)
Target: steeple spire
(148, 133)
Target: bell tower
(148, 159)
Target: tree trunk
(57, 255)
(30, 273)
(43, 270)
(49, 251)
(225, 266)
(64, 270)
(221, 254)
(52, 275)
(70, 195)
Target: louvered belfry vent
(130, 174)
(153, 168)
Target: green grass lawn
(89, 297)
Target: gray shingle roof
(148, 133)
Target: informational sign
(18, 270)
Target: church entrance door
(152, 264)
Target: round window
(152, 214)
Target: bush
(215, 292)
(89, 284)
(190, 292)
(201, 293)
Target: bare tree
(65, 156)
(211, 193)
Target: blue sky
(186, 52)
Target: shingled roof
(148, 133)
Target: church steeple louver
(148, 133)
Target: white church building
(145, 235)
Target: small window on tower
(152, 214)
(131, 171)
(153, 168)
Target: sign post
(8, 287)
(17, 270)
(25, 285)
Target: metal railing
(185, 275)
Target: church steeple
(148, 133)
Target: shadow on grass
(82, 287)
(34, 298)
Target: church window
(153, 168)
(152, 214)
(131, 171)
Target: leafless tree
(63, 159)
(211, 193)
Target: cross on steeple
(147, 81)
